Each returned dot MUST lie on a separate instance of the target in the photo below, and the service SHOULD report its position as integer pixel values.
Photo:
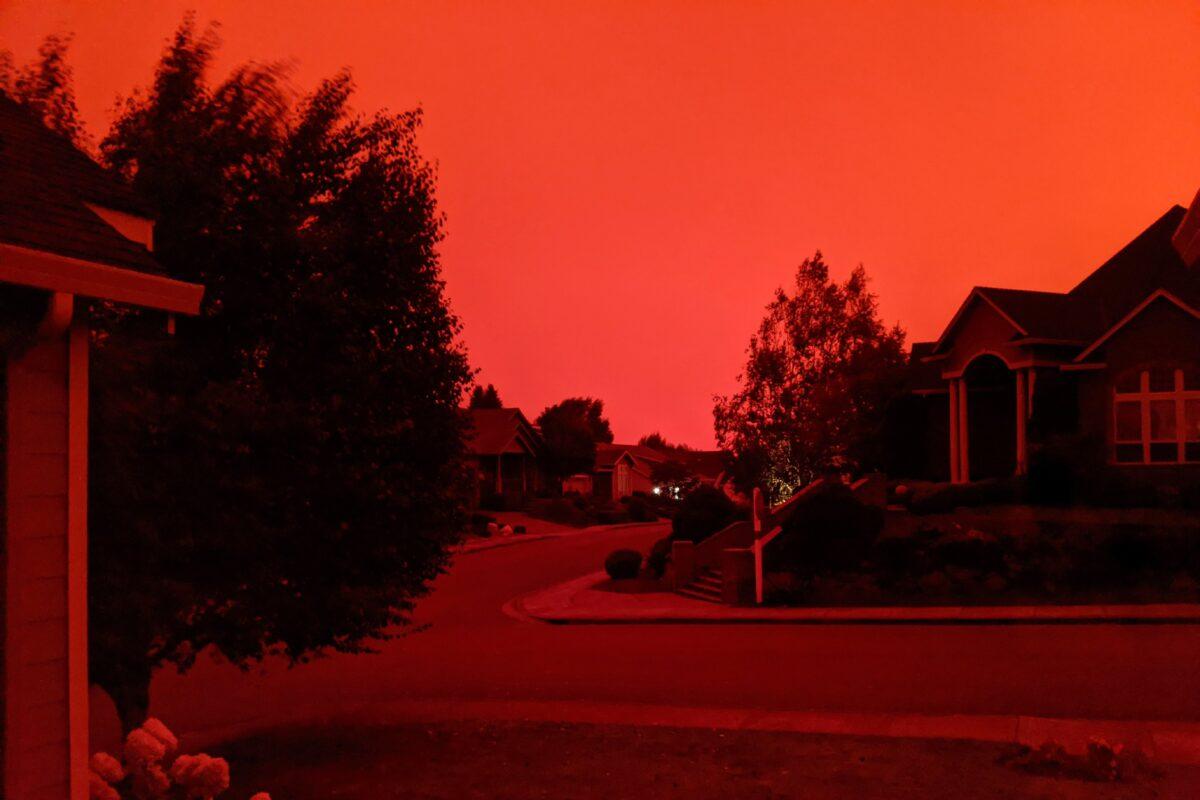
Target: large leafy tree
(571, 430)
(45, 86)
(283, 475)
(819, 376)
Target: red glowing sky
(626, 183)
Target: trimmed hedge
(623, 564)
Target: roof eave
(57, 273)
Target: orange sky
(627, 182)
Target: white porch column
(964, 434)
(954, 430)
(1022, 418)
(500, 474)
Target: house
(1115, 360)
(622, 469)
(69, 233)
(504, 451)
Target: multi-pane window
(1156, 416)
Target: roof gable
(1160, 295)
(501, 430)
(47, 190)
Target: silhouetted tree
(283, 476)
(485, 398)
(571, 430)
(656, 441)
(45, 85)
(819, 376)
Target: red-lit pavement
(472, 651)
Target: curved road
(472, 651)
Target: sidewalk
(587, 600)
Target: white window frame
(1143, 397)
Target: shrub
(703, 512)
(639, 508)
(659, 557)
(479, 523)
(493, 502)
(949, 496)
(560, 510)
(623, 564)
(518, 529)
(828, 531)
(970, 550)
(611, 515)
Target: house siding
(41, 716)
(1162, 335)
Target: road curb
(560, 605)
(1165, 742)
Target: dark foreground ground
(456, 761)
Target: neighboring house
(622, 469)
(504, 450)
(69, 232)
(1115, 360)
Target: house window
(1156, 417)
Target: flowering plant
(151, 770)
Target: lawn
(499, 760)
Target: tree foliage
(571, 430)
(485, 398)
(284, 474)
(45, 85)
(819, 375)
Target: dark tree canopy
(571, 430)
(284, 474)
(656, 441)
(45, 85)
(485, 398)
(820, 374)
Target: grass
(513, 760)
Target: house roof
(501, 430)
(46, 186)
(1148, 263)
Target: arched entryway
(992, 421)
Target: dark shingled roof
(1147, 263)
(1050, 315)
(925, 376)
(500, 430)
(45, 186)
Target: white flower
(98, 788)
(159, 731)
(143, 749)
(201, 775)
(107, 767)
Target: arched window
(1156, 416)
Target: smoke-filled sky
(625, 183)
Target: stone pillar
(1022, 419)
(954, 430)
(683, 564)
(964, 433)
(737, 576)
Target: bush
(518, 529)
(623, 564)
(975, 551)
(639, 508)
(949, 496)
(479, 523)
(702, 513)
(611, 515)
(560, 510)
(493, 502)
(830, 530)
(659, 557)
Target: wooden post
(954, 430)
(500, 474)
(964, 433)
(1022, 418)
